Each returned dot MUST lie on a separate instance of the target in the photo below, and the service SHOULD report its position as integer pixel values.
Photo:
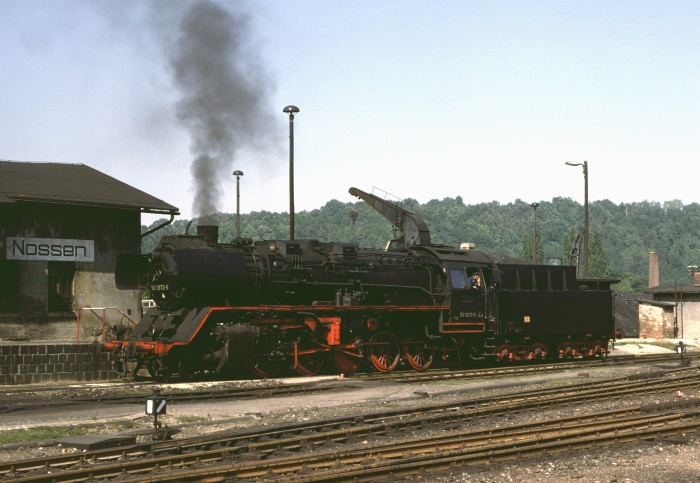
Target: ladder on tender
(678, 321)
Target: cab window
(458, 278)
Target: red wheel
(539, 350)
(265, 368)
(568, 350)
(383, 351)
(447, 351)
(310, 364)
(418, 352)
(599, 349)
(346, 360)
(504, 352)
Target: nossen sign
(50, 249)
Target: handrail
(105, 324)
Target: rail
(94, 311)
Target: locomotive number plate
(160, 287)
(468, 315)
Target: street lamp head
(290, 110)
(535, 205)
(584, 165)
(238, 173)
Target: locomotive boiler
(272, 305)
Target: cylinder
(209, 232)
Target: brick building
(674, 312)
(61, 229)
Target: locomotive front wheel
(153, 367)
(310, 364)
(265, 368)
(383, 351)
(418, 352)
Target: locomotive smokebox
(209, 232)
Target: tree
(527, 252)
(566, 244)
(597, 261)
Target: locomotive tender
(278, 304)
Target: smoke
(224, 93)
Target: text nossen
(41, 249)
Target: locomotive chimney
(653, 269)
(209, 232)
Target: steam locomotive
(275, 305)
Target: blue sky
(423, 99)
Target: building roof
(75, 184)
(671, 289)
(657, 303)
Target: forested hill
(621, 236)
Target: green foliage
(40, 433)
(621, 235)
(527, 252)
(597, 261)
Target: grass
(191, 419)
(41, 433)
(47, 433)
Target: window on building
(8, 285)
(60, 289)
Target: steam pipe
(162, 225)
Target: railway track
(418, 455)
(266, 450)
(524, 369)
(36, 398)
(29, 401)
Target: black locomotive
(279, 304)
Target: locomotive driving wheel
(309, 364)
(347, 361)
(383, 351)
(419, 352)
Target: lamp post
(291, 110)
(238, 175)
(534, 233)
(585, 213)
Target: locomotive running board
(463, 327)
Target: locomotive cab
(471, 298)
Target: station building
(61, 229)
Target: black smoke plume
(224, 95)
